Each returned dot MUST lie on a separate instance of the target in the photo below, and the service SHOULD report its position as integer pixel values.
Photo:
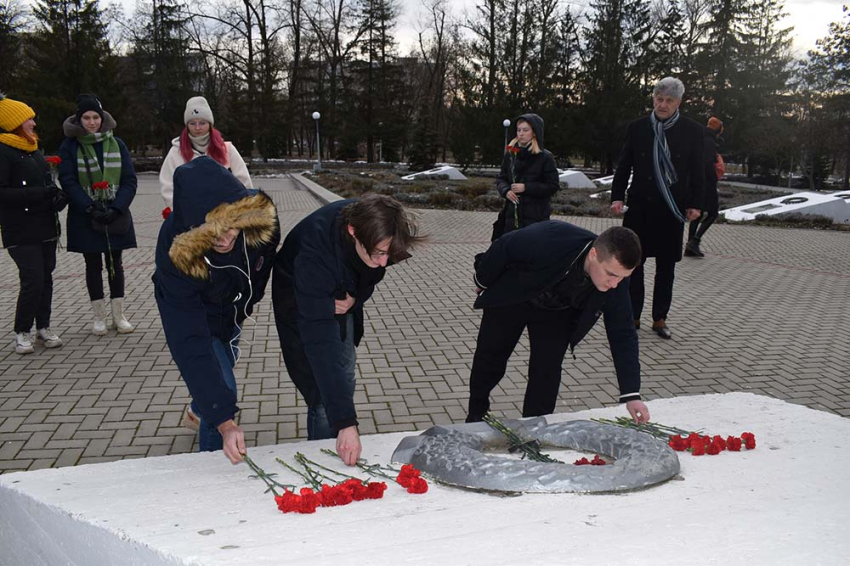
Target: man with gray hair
(663, 156)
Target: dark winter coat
(659, 231)
(540, 176)
(711, 200)
(197, 302)
(27, 191)
(519, 266)
(310, 273)
(82, 238)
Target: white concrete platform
(786, 502)
(443, 171)
(575, 179)
(831, 205)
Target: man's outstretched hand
(638, 411)
(348, 445)
(233, 441)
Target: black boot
(692, 248)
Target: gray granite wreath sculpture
(455, 455)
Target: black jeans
(36, 263)
(662, 293)
(501, 329)
(94, 275)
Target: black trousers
(36, 263)
(501, 329)
(94, 274)
(662, 292)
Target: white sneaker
(50, 338)
(23, 343)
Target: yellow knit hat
(13, 113)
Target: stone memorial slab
(832, 205)
(786, 502)
(575, 179)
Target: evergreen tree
(68, 54)
(164, 74)
(616, 62)
(12, 24)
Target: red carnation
(53, 159)
(733, 444)
(166, 212)
(719, 441)
(713, 449)
(100, 185)
(749, 440)
(582, 462)
(678, 443)
(698, 449)
(375, 490)
(417, 485)
(512, 149)
(597, 461)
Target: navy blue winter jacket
(521, 264)
(310, 272)
(197, 302)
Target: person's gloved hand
(59, 201)
(110, 216)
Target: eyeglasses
(378, 254)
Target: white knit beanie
(197, 108)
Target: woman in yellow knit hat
(29, 203)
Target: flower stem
(302, 459)
(267, 478)
(308, 479)
(528, 447)
(374, 470)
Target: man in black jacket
(663, 154)
(324, 273)
(556, 279)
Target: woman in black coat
(528, 178)
(98, 175)
(29, 203)
(711, 199)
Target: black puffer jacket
(540, 176)
(26, 198)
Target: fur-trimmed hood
(73, 129)
(208, 201)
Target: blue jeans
(318, 426)
(209, 439)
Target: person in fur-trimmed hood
(213, 259)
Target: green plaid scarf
(111, 172)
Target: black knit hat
(87, 102)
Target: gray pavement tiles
(764, 312)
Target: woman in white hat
(198, 138)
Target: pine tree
(164, 74)
(68, 54)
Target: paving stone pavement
(766, 312)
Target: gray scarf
(665, 173)
(200, 143)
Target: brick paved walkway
(766, 311)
